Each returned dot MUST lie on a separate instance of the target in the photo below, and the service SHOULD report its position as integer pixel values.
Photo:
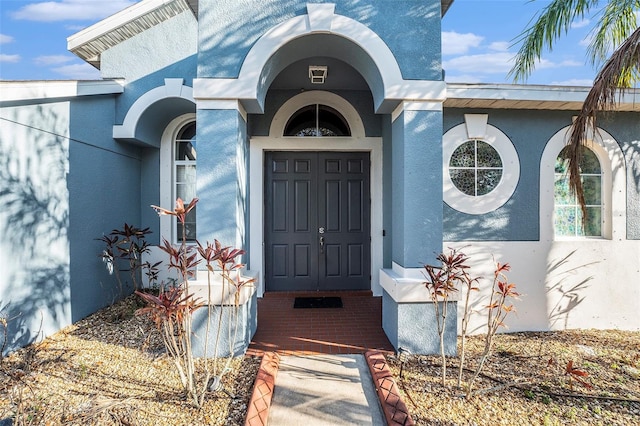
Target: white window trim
(476, 128)
(614, 200)
(167, 178)
(315, 97)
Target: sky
(477, 41)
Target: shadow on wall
(632, 157)
(34, 286)
(563, 289)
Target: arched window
(568, 219)
(317, 120)
(184, 177)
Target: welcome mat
(317, 302)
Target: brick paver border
(260, 402)
(394, 409)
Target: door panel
(317, 221)
(345, 213)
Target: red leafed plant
(123, 252)
(442, 284)
(497, 311)
(572, 374)
(575, 374)
(172, 309)
(171, 305)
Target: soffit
(505, 96)
(89, 43)
(445, 5)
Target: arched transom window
(317, 120)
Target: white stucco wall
(563, 284)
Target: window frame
(613, 186)
(318, 108)
(476, 127)
(168, 225)
(291, 106)
(575, 205)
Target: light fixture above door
(317, 73)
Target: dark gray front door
(317, 221)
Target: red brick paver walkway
(354, 328)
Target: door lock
(321, 230)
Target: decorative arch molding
(260, 68)
(317, 97)
(614, 198)
(172, 88)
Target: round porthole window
(475, 168)
(479, 174)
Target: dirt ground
(110, 369)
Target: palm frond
(554, 21)
(617, 23)
(619, 73)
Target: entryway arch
(348, 39)
(351, 146)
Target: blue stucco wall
(104, 193)
(416, 187)
(35, 276)
(529, 131)
(625, 128)
(222, 177)
(228, 29)
(387, 193)
(65, 182)
(413, 326)
(159, 47)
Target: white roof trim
(512, 96)
(89, 43)
(14, 91)
(173, 88)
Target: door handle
(321, 244)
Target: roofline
(445, 5)
(28, 91)
(515, 96)
(89, 43)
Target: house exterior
(322, 139)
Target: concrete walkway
(315, 390)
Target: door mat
(317, 302)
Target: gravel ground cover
(110, 369)
(524, 381)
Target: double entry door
(317, 221)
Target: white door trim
(257, 147)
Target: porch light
(317, 73)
